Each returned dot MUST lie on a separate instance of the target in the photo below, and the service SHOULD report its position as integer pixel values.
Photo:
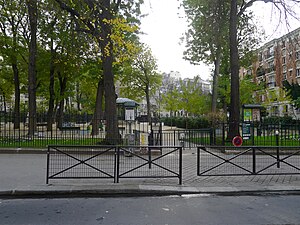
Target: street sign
(246, 130)
(237, 141)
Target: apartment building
(277, 61)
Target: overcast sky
(165, 25)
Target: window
(283, 60)
(284, 76)
(271, 81)
(260, 56)
(298, 72)
(283, 44)
(283, 52)
(271, 67)
(284, 68)
(298, 55)
(270, 52)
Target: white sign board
(129, 114)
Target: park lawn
(43, 143)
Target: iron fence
(253, 160)
(76, 130)
(113, 162)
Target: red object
(237, 141)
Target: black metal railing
(149, 162)
(252, 160)
(77, 130)
(113, 162)
(78, 162)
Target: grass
(42, 143)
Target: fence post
(180, 166)
(48, 160)
(223, 134)
(253, 161)
(277, 149)
(174, 138)
(198, 161)
(116, 180)
(211, 136)
(253, 133)
(117, 163)
(149, 157)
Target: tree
(285, 8)
(170, 101)
(191, 98)
(97, 18)
(234, 115)
(6, 84)
(142, 77)
(293, 92)
(32, 84)
(207, 35)
(12, 19)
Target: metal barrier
(81, 162)
(253, 160)
(114, 162)
(149, 162)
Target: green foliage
(170, 101)
(187, 122)
(191, 98)
(277, 119)
(293, 91)
(139, 76)
(208, 31)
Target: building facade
(277, 61)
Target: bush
(187, 122)
(278, 119)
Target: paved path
(26, 173)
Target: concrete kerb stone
(143, 190)
(23, 151)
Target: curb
(144, 191)
(23, 151)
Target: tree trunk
(234, 116)
(149, 117)
(78, 97)
(32, 12)
(98, 112)
(17, 95)
(215, 83)
(63, 85)
(106, 45)
(50, 115)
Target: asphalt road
(190, 209)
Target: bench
(62, 129)
(41, 124)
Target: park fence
(76, 130)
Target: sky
(165, 25)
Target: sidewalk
(25, 175)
